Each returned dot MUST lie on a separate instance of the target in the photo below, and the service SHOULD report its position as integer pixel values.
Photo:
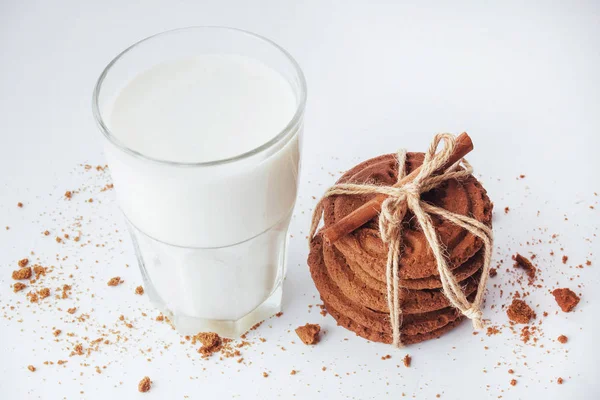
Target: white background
(522, 79)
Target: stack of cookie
(350, 274)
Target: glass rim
(286, 132)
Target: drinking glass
(210, 237)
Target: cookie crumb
(43, 293)
(386, 357)
(211, 343)
(18, 286)
(506, 210)
(57, 332)
(23, 273)
(65, 291)
(144, 385)
(519, 312)
(265, 375)
(309, 333)
(23, 263)
(513, 382)
(492, 330)
(115, 281)
(565, 259)
(68, 194)
(562, 339)
(78, 349)
(526, 265)
(139, 290)
(407, 360)
(293, 372)
(565, 298)
(279, 314)
(20, 205)
(33, 297)
(39, 271)
(493, 272)
(560, 381)
(511, 371)
(31, 368)
(72, 310)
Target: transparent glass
(210, 237)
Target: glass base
(188, 325)
(224, 290)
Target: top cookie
(365, 247)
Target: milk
(211, 238)
(206, 108)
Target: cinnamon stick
(370, 209)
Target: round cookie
(364, 246)
(383, 337)
(412, 324)
(356, 289)
(467, 270)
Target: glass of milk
(203, 131)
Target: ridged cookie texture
(350, 274)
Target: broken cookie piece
(23, 273)
(562, 339)
(115, 281)
(145, 384)
(525, 264)
(18, 286)
(565, 298)
(309, 333)
(519, 312)
(211, 343)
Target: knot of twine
(401, 199)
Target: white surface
(522, 80)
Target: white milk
(203, 109)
